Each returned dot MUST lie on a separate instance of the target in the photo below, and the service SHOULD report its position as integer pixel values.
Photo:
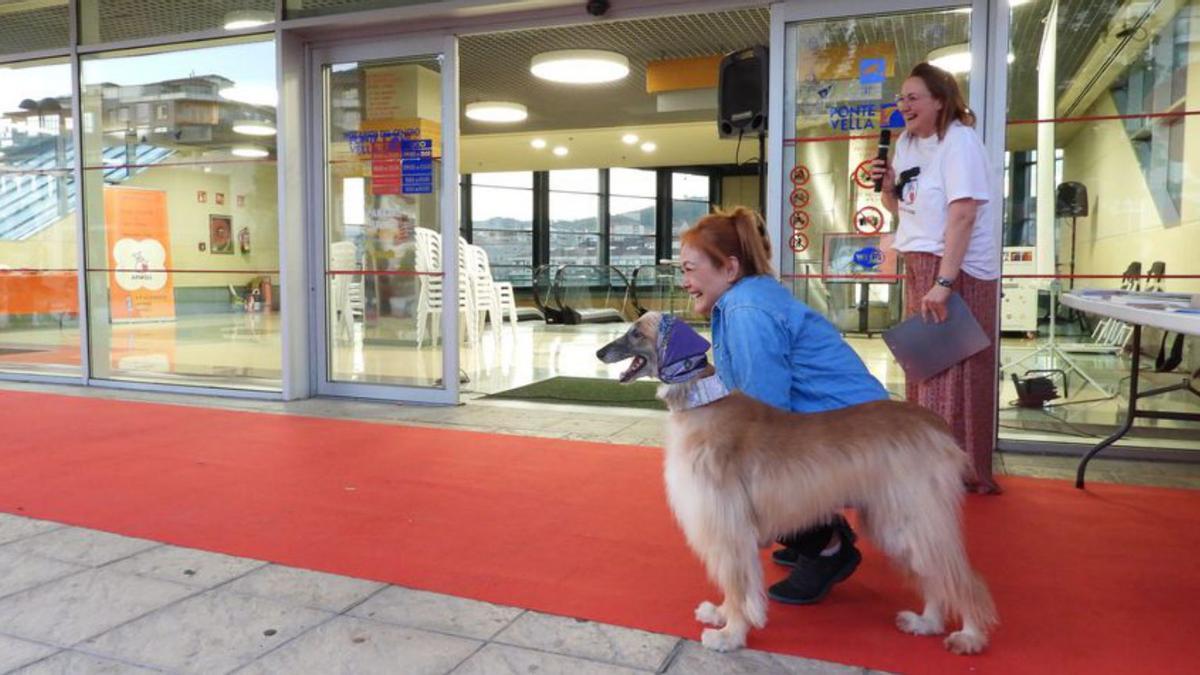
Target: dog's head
(661, 346)
(639, 343)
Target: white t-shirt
(952, 168)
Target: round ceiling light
(538, 143)
(247, 18)
(579, 66)
(250, 152)
(629, 139)
(954, 59)
(561, 151)
(649, 146)
(254, 129)
(496, 111)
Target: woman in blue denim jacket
(774, 348)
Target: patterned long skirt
(965, 395)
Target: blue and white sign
(416, 176)
(872, 71)
(417, 148)
(860, 117)
(868, 257)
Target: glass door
(386, 242)
(841, 74)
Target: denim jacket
(774, 348)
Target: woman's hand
(881, 170)
(933, 305)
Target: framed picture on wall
(220, 235)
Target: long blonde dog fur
(740, 473)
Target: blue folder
(926, 349)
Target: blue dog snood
(681, 350)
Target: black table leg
(1130, 415)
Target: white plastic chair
(487, 304)
(429, 299)
(346, 290)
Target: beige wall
(52, 248)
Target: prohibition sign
(799, 174)
(799, 198)
(868, 220)
(799, 220)
(862, 175)
(799, 242)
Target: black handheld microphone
(885, 142)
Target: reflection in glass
(1112, 104)
(182, 230)
(39, 307)
(383, 247)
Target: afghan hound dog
(740, 473)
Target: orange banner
(139, 255)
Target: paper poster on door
(139, 255)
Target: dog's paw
(966, 642)
(722, 640)
(709, 614)
(915, 624)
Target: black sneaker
(785, 556)
(812, 578)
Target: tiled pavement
(81, 601)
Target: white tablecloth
(1168, 311)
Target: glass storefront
(179, 202)
(39, 282)
(181, 211)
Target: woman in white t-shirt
(940, 187)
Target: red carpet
(1094, 582)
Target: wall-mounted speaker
(742, 93)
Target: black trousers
(812, 541)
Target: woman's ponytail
(756, 243)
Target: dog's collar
(706, 390)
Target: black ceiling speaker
(1071, 200)
(742, 93)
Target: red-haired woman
(939, 185)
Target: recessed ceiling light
(538, 143)
(579, 66)
(250, 151)
(649, 146)
(251, 93)
(629, 139)
(496, 111)
(955, 59)
(247, 18)
(254, 129)
(561, 151)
